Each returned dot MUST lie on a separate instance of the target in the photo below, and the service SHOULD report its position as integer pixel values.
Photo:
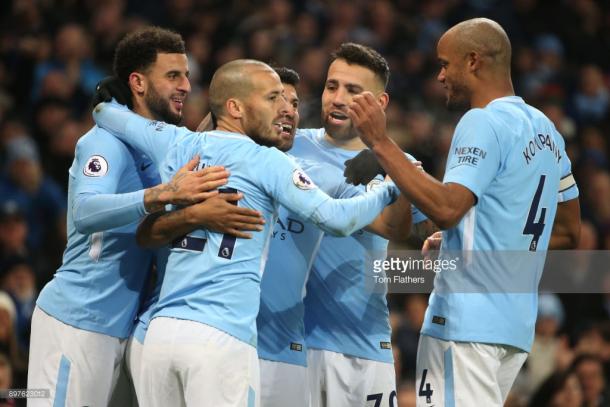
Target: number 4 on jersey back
(533, 227)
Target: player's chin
(339, 132)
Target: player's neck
(353, 144)
(491, 92)
(223, 124)
(140, 108)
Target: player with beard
(84, 315)
(200, 345)
(347, 326)
(507, 176)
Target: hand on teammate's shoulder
(112, 87)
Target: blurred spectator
(548, 352)
(562, 389)
(406, 337)
(592, 99)
(71, 74)
(8, 340)
(19, 281)
(589, 370)
(6, 379)
(38, 197)
(13, 233)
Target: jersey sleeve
(100, 162)
(287, 183)
(151, 137)
(568, 189)
(475, 155)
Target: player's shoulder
(101, 141)
(477, 116)
(309, 135)
(99, 137)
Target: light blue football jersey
(513, 160)
(213, 278)
(342, 314)
(294, 246)
(98, 287)
(151, 298)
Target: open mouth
(178, 103)
(338, 117)
(286, 129)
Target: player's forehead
(265, 81)
(344, 73)
(445, 47)
(166, 62)
(290, 92)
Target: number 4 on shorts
(427, 393)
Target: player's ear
(235, 108)
(473, 61)
(383, 100)
(137, 82)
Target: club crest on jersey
(96, 166)
(374, 184)
(301, 180)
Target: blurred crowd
(53, 52)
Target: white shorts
(186, 363)
(283, 384)
(338, 380)
(456, 374)
(124, 393)
(78, 367)
(133, 361)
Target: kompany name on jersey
(539, 143)
(96, 166)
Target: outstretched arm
(443, 203)
(96, 209)
(294, 190)
(151, 137)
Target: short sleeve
(475, 155)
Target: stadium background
(53, 52)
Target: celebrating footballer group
(228, 266)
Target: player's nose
(284, 106)
(340, 98)
(184, 85)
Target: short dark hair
(138, 50)
(358, 54)
(287, 75)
